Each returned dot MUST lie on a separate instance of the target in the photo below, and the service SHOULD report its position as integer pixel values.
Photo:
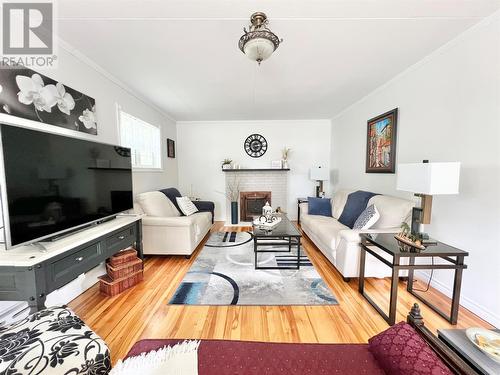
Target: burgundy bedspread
(222, 357)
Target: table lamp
(425, 180)
(319, 174)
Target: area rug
(224, 274)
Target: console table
(386, 243)
(28, 274)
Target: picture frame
(37, 97)
(170, 148)
(381, 143)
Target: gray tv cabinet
(27, 274)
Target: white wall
(78, 72)
(203, 145)
(449, 110)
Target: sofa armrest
(304, 208)
(174, 221)
(205, 206)
(352, 235)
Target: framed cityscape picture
(170, 148)
(381, 143)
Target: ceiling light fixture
(258, 43)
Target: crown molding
(106, 74)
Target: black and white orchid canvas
(25, 93)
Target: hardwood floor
(143, 311)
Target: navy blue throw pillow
(355, 205)
(319, 206)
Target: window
(143, 139)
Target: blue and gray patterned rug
(224, 274)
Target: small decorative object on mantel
(409, 240)
(381, 143)
(33, 96)
(285, 153)
(226, 164)
(170, 148)
(276, 164)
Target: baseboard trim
(465, 302)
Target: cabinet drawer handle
(121, 237)
(79, 259)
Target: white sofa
(164, 230)
(340, 244)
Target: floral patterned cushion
(400, 350)
(52, 341)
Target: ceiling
(182, 56)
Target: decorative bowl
(491, 349)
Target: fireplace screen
(251, 203)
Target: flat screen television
(52, 184)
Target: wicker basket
(124, 269)
(123, 257)
(113, 287)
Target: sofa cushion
(201, 222)
(52, 341)
(400, 350)
(186, 206)
(172, 194)
(338, 202)
(393, 211)
(224, 357)
(155, 203)
(319, 206)
(367, 218)
(326, 229)
(355, 205)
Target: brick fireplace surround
(274, 182)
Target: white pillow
(187, 207)
(367, 218)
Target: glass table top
(389, 244)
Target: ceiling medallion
(258, 43)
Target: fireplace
(251, 203)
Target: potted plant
(226, 163)
(285, 152)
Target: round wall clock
(255, 145)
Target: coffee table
(458, 341)
(284, 234)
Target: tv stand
(40, 246)
(27, 274)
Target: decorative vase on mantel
(284, 164)
(234, 212)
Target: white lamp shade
(429, 178)
(258, 49)
(319, 174)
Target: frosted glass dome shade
(258, 49)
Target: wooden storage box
(124, 269)
(123, 257)
(113, 287)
